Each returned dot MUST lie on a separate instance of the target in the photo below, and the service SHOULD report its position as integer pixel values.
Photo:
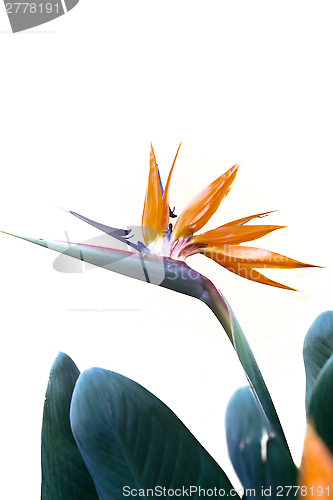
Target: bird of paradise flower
(180, 241)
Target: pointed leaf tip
(64, 474)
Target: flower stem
(214, 299)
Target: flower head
(167, 246)
(221, 244)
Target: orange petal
(152, 207)
(155, 216)
(253, 275)
(203, 206)
(232, 234)
(250, 257)
(316, 471)
(247, 219)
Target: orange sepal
(232, 235)
(316, 471)
(203, 206)
(250, 257)
(253, 275)
(155, 216)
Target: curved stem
(220, 307)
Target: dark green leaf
(320, 411)
(64, 474)
(129, 438)
(318, 347)
(259, 458)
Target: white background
(81, 98)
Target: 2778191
(31, 8)
(304, 491)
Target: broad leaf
(259, 458)
(318, 347)
(320, 410)
(64, 474)
(130, 440)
